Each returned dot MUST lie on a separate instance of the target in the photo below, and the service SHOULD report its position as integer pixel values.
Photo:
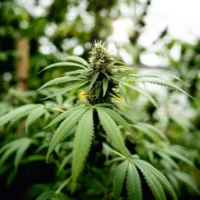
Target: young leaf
(34, 115)
(65, 127)
(93, 80)
(119, 179)
(123, 92)
(82, 143)
(133, 183)
(105, 86)
(112, 131)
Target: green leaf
(133, 183)
(119, 179)
(71, 86)
(176, 155)
(123, 92)
(71, 66)
(75, 73)
(112, 131)
(161, 178)
(154, 130)
(117, 118)
(64, 162)
(82, 143)
(19, 146)
(22, 147)
(168, 159)
(34, 115)
(143, 92)
(146, 131)
(152, 182)
(77, 59)
(51, 195)
(63, 116)
(105, 86)
(163, 83)
(59, 80)
(65, 128)
(93, 80)
(17, 113)
(187, 180)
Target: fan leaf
(71, 66)
(17, 113)
(59, 80)
(77, 59)
(161, 178)
(119, 179)
(82, 143)
(133, 183)
(34, 115)
(112, 131)
(143, 92)
(152, 182)
(163, 83)
(117, 118)
(65, 127)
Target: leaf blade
(119, 179)
(112, 130)
(82, 143)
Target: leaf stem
(63, 185)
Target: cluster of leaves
(96, 127)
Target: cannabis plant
(101, 138)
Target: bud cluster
(100, 59)
(100, 70)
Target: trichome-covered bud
(100, 75)
(100, 59)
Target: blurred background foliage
(54, 29)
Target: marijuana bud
(100, 59)
(100, 75)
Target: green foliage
(112, 131)
(18, 147)
(17, 114)
(52, 195)
(65, 127)
(133, 183)
(96, 137)
(82, 143)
